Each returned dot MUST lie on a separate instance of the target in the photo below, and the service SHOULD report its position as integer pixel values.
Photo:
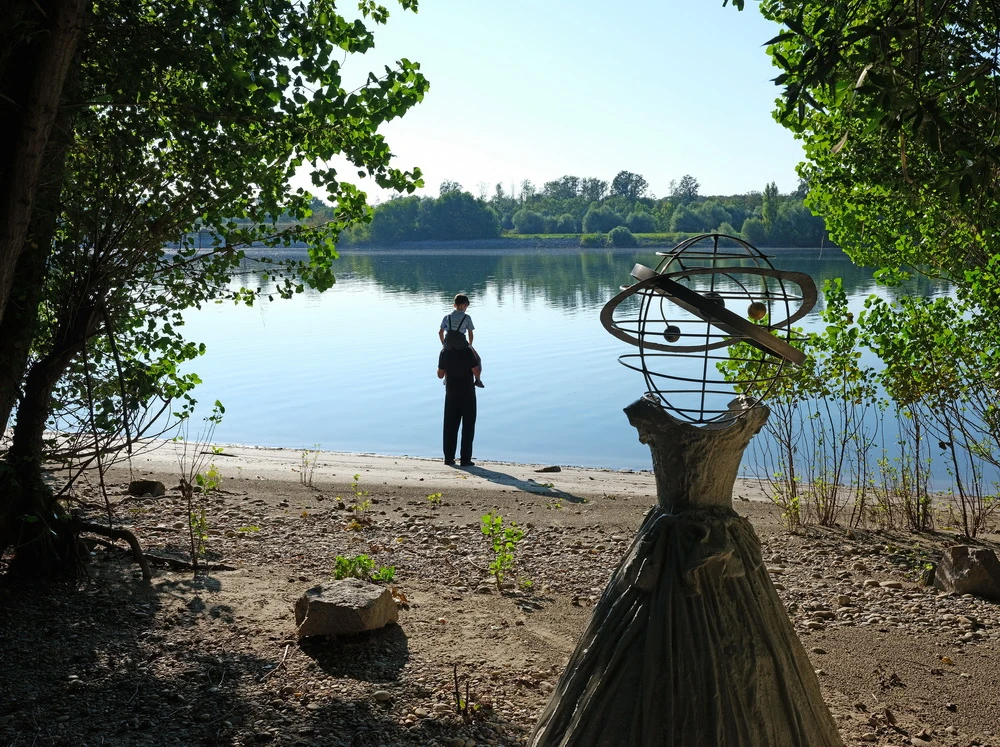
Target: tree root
(121, 534)
(177, 564)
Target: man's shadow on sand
(527, 486)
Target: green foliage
(307, 466)
(363, 567)
(600, 219)
(528, 221)
(457, 215)
(208, 480)
(622, 237)
(755, 231)
(685, 191)
(396, 220)
(566, 223)
(503, 543)
(627, 184)
(185, 125)
(593, 240)
(198, 521)
(361, 503)
(640, 222)
(453, 216)
(895, 107)
(435, 499)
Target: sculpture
(689, 645)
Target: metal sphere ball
(756, 311)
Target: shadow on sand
(527, 486)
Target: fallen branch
(177, 564)
(121, 534)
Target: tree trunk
(39, 43)
(689, 646)
(31, 521)
(19, 323)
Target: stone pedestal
(689, 646)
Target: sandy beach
(214, 659)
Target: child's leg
(477, 370)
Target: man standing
(455, 367)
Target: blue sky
(541, 88)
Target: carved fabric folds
(689, 646)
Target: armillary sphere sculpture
(689, 645)
(705, 297)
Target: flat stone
(343, 607)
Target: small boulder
(553, 468)
(140, 488)
(344, 607)
(969, 570)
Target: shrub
(621, 236)
(641, 222)
(600, 220)
(593, 240)
(528, 221)
(566, 223)
(755, 231)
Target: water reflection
(353, 369)
(569, 280)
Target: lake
(353, 369)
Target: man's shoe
(468, 463)
(450, 462)
(480, 384)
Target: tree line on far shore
(601, 213)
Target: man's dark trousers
(459, 409)
(459, 401)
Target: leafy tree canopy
(180, 121)
(627, 184)
(896, 106)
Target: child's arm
(470, 336)
(441, 335)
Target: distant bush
(593, 240)
(600, 220)
(621, 236)
(528, 221)
(566, 223)
(755, 231)
(640, 222)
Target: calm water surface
(353, 369)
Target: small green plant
(209, 480)
(249, 529)
(526, 584)
(309, 459)
(463, 706)
(190, 460)
(435, 499)
(361, 566)
(503, 544)
(216, 450)
(199, 530)
(358, 492)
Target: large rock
(344, 607)
(969, 570)
(140, 488)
